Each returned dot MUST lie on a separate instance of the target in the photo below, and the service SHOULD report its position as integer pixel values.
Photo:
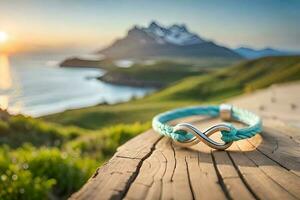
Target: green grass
(40, 160)
(31, 173)
(206, 88)
(164, 72)
(17, 130)
(51, 157)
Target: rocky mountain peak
(157, 40)
(175, 34)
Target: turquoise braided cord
(159, 121)
(253, 121)
(244, 116)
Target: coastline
(107, 77)
(52, 89)
(80, 63)
(126, 81)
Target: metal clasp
(226, 112)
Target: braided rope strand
(159, 123)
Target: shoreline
(125, 81)
(114, 79)
(75, 89)
(80, 63)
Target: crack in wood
(174, 154)
(189, 178)
(266, 174)
(220, 180)
(127, 157)
(134, 175)
(242, 177)
(269, 157)
(276, 146)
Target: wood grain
(266, 166)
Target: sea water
(36, 86)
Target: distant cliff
(78, 62)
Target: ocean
(36, 86)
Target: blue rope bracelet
(186, 134)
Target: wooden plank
(151, 171)
(172, 172)
(156, 188)
(203, 176)
(180, 179)
(281, 148)
(113, 180)
(170, 176)
(261, 185)
(201, 172)
(220, 165)
(280, 175)
(167, 178)
(235, 186)
(263, 167)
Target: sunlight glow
(5, 73)
(3, 37)
(6, 84)
(5, 80)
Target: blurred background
(79, 78)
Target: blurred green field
(213, 87)
(162, 72)
(40, 160)
(51, 157)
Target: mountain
(159, 41)
(257, 53)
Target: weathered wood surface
(264, 167)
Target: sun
(3, 37)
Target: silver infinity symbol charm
(204, 137)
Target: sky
(93, 24)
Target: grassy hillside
(159, 72)
(207, 88)
(40, 160)
(52, 157)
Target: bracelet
(185, 134)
